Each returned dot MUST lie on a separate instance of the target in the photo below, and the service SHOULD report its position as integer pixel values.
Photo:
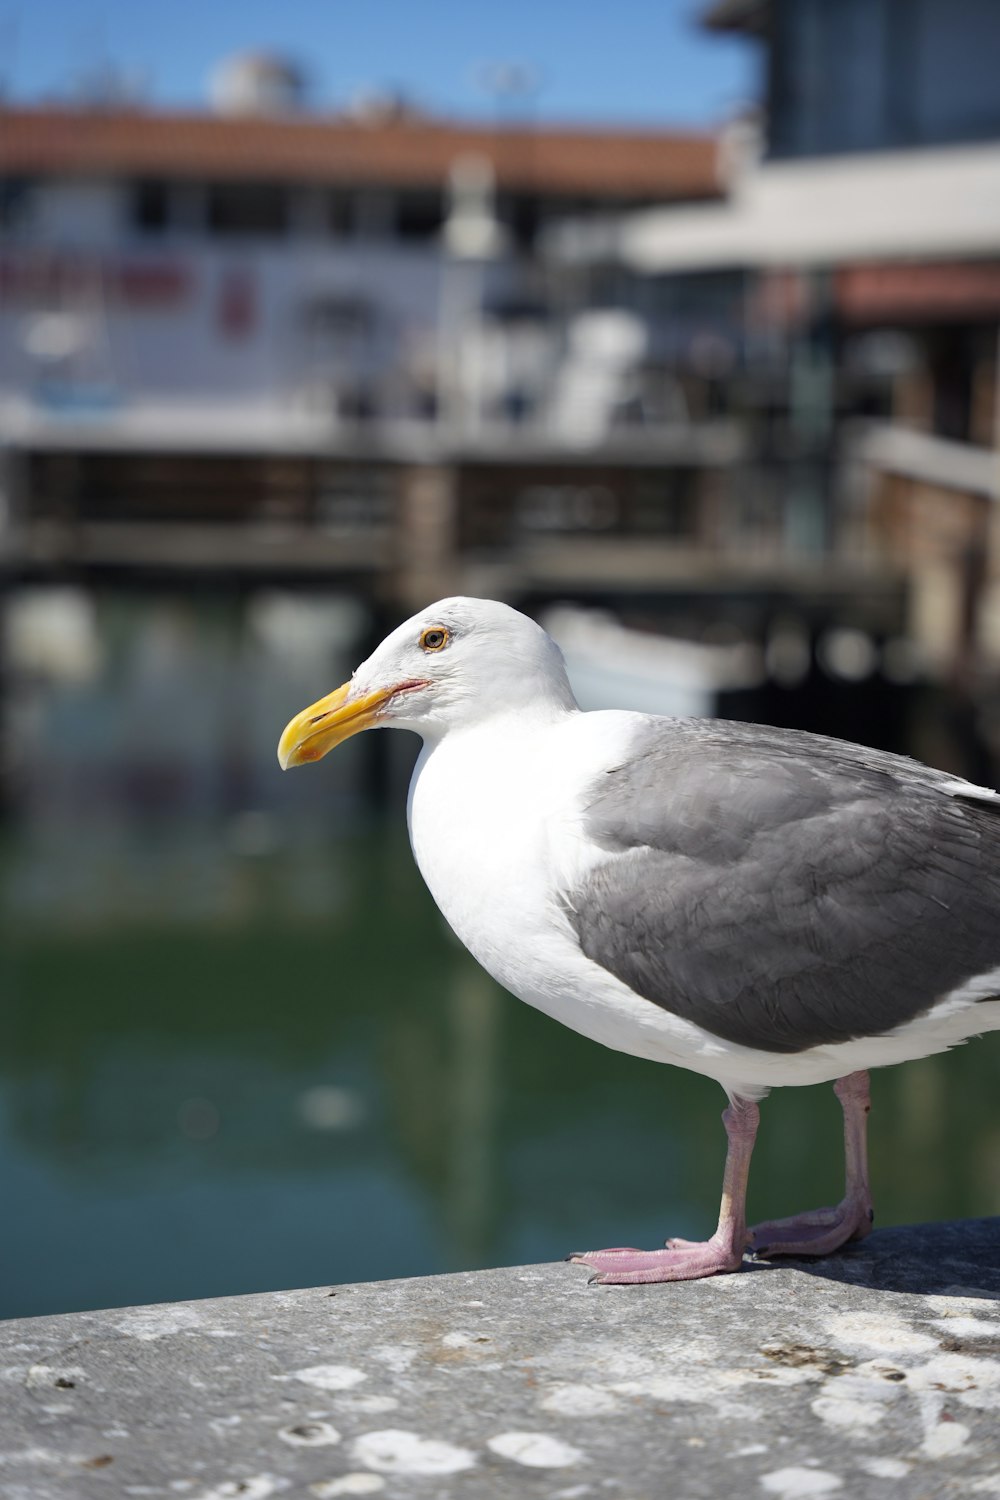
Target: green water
(191, 1110)
(240, 1051)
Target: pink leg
(687, 1260)
(826, 1229)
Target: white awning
(932, 460)
(824, 211)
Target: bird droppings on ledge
(330, 1377)
(797, 1484)
(396, 1451)
(359, 1483)
(876, 1372)
(536, 1450)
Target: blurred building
(338, 332)
(868, 75)
(270, 264)
(738, 387)
(858, 245)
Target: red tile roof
(412, 151)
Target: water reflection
(239, 1050)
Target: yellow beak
(327, 723)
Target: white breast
(494, 822)
(481, 810)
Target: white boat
(612, 666)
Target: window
(419, 215)
(15, 201)
(247, 208)
(341, 212)
(375, 214)
(520, 213)
(150, 205)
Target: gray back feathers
(785, 891)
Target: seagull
(762, 906)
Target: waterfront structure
(859, 244)
(277, 345)
(725, 378)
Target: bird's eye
(434, 639)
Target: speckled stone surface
(871, 1373)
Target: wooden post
(427, 560)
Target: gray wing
(782, 890)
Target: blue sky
(632, 61)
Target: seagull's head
(457, 663)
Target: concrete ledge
(871, 1373)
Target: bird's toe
(819, 1232)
